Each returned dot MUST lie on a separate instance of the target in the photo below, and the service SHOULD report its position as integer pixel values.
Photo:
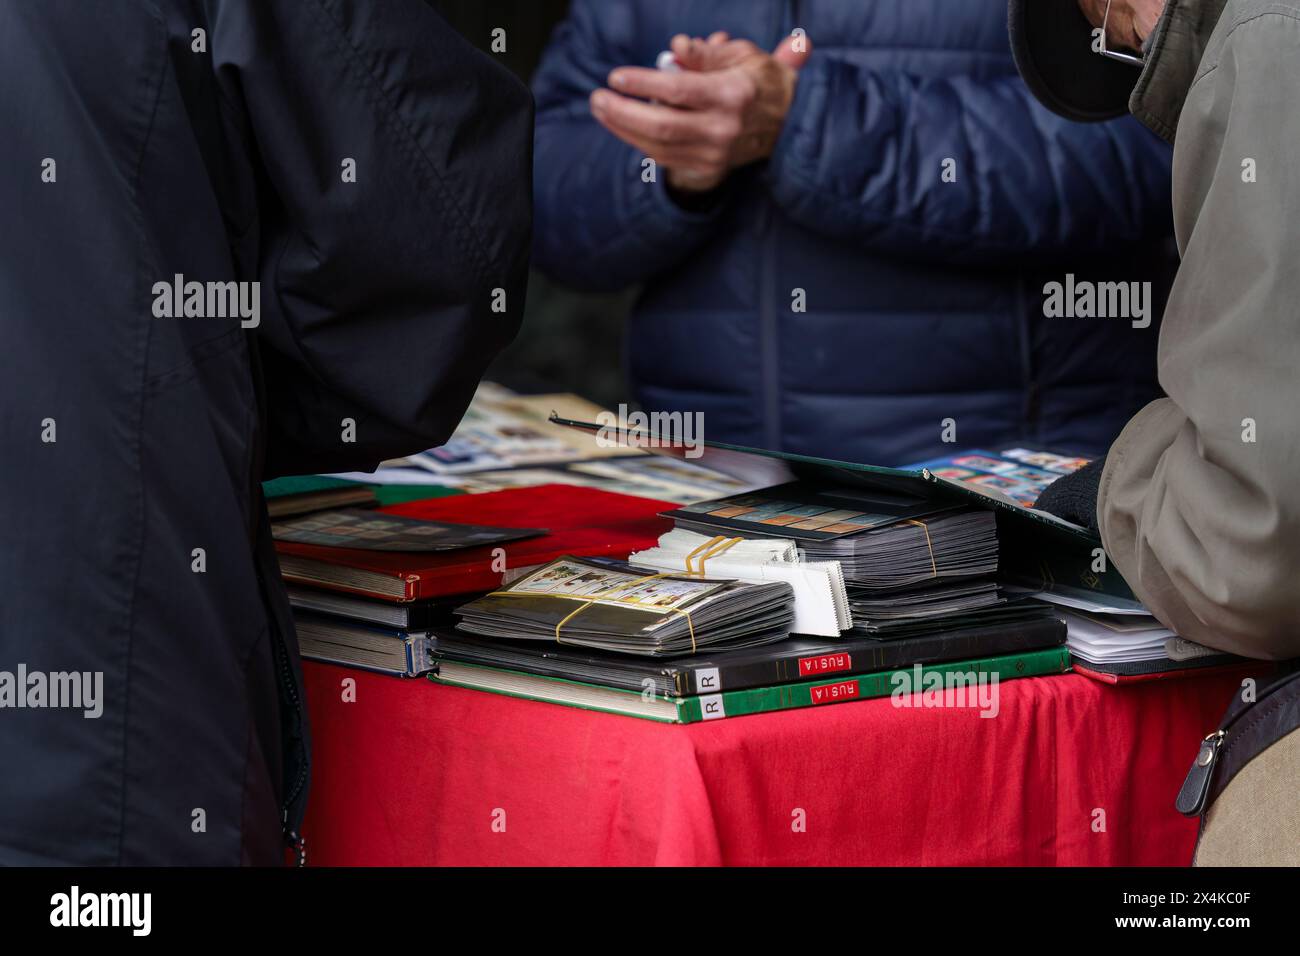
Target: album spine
(846, 688)
(854, 658)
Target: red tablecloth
(1069, 772)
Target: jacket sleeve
(1199, 505)
(863, 157)
(383, 297)
(600, 225)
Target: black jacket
(212, 140)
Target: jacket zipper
(284, 669)
(788, 17)
(294, 839)
(1029, 409)
(768, 331)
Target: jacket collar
(1172, 60)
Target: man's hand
(723, 109)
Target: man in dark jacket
(243, 239)
(844, 246)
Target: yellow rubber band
(704, 547)
(596, 599)
(924, 527)
(724, 544)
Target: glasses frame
(1116, 54)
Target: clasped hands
(723, 108)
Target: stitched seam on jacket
(197, 356)
(985, 244)
(139, 428)
(1284, 13)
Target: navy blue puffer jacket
(924, 298)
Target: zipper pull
(1195, 789)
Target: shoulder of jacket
(1241, 14)
(1239, 11)
(1249, 23)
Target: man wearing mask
(843, 243)
(1197, 501)
(244, 238)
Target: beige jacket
(1199, 505)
